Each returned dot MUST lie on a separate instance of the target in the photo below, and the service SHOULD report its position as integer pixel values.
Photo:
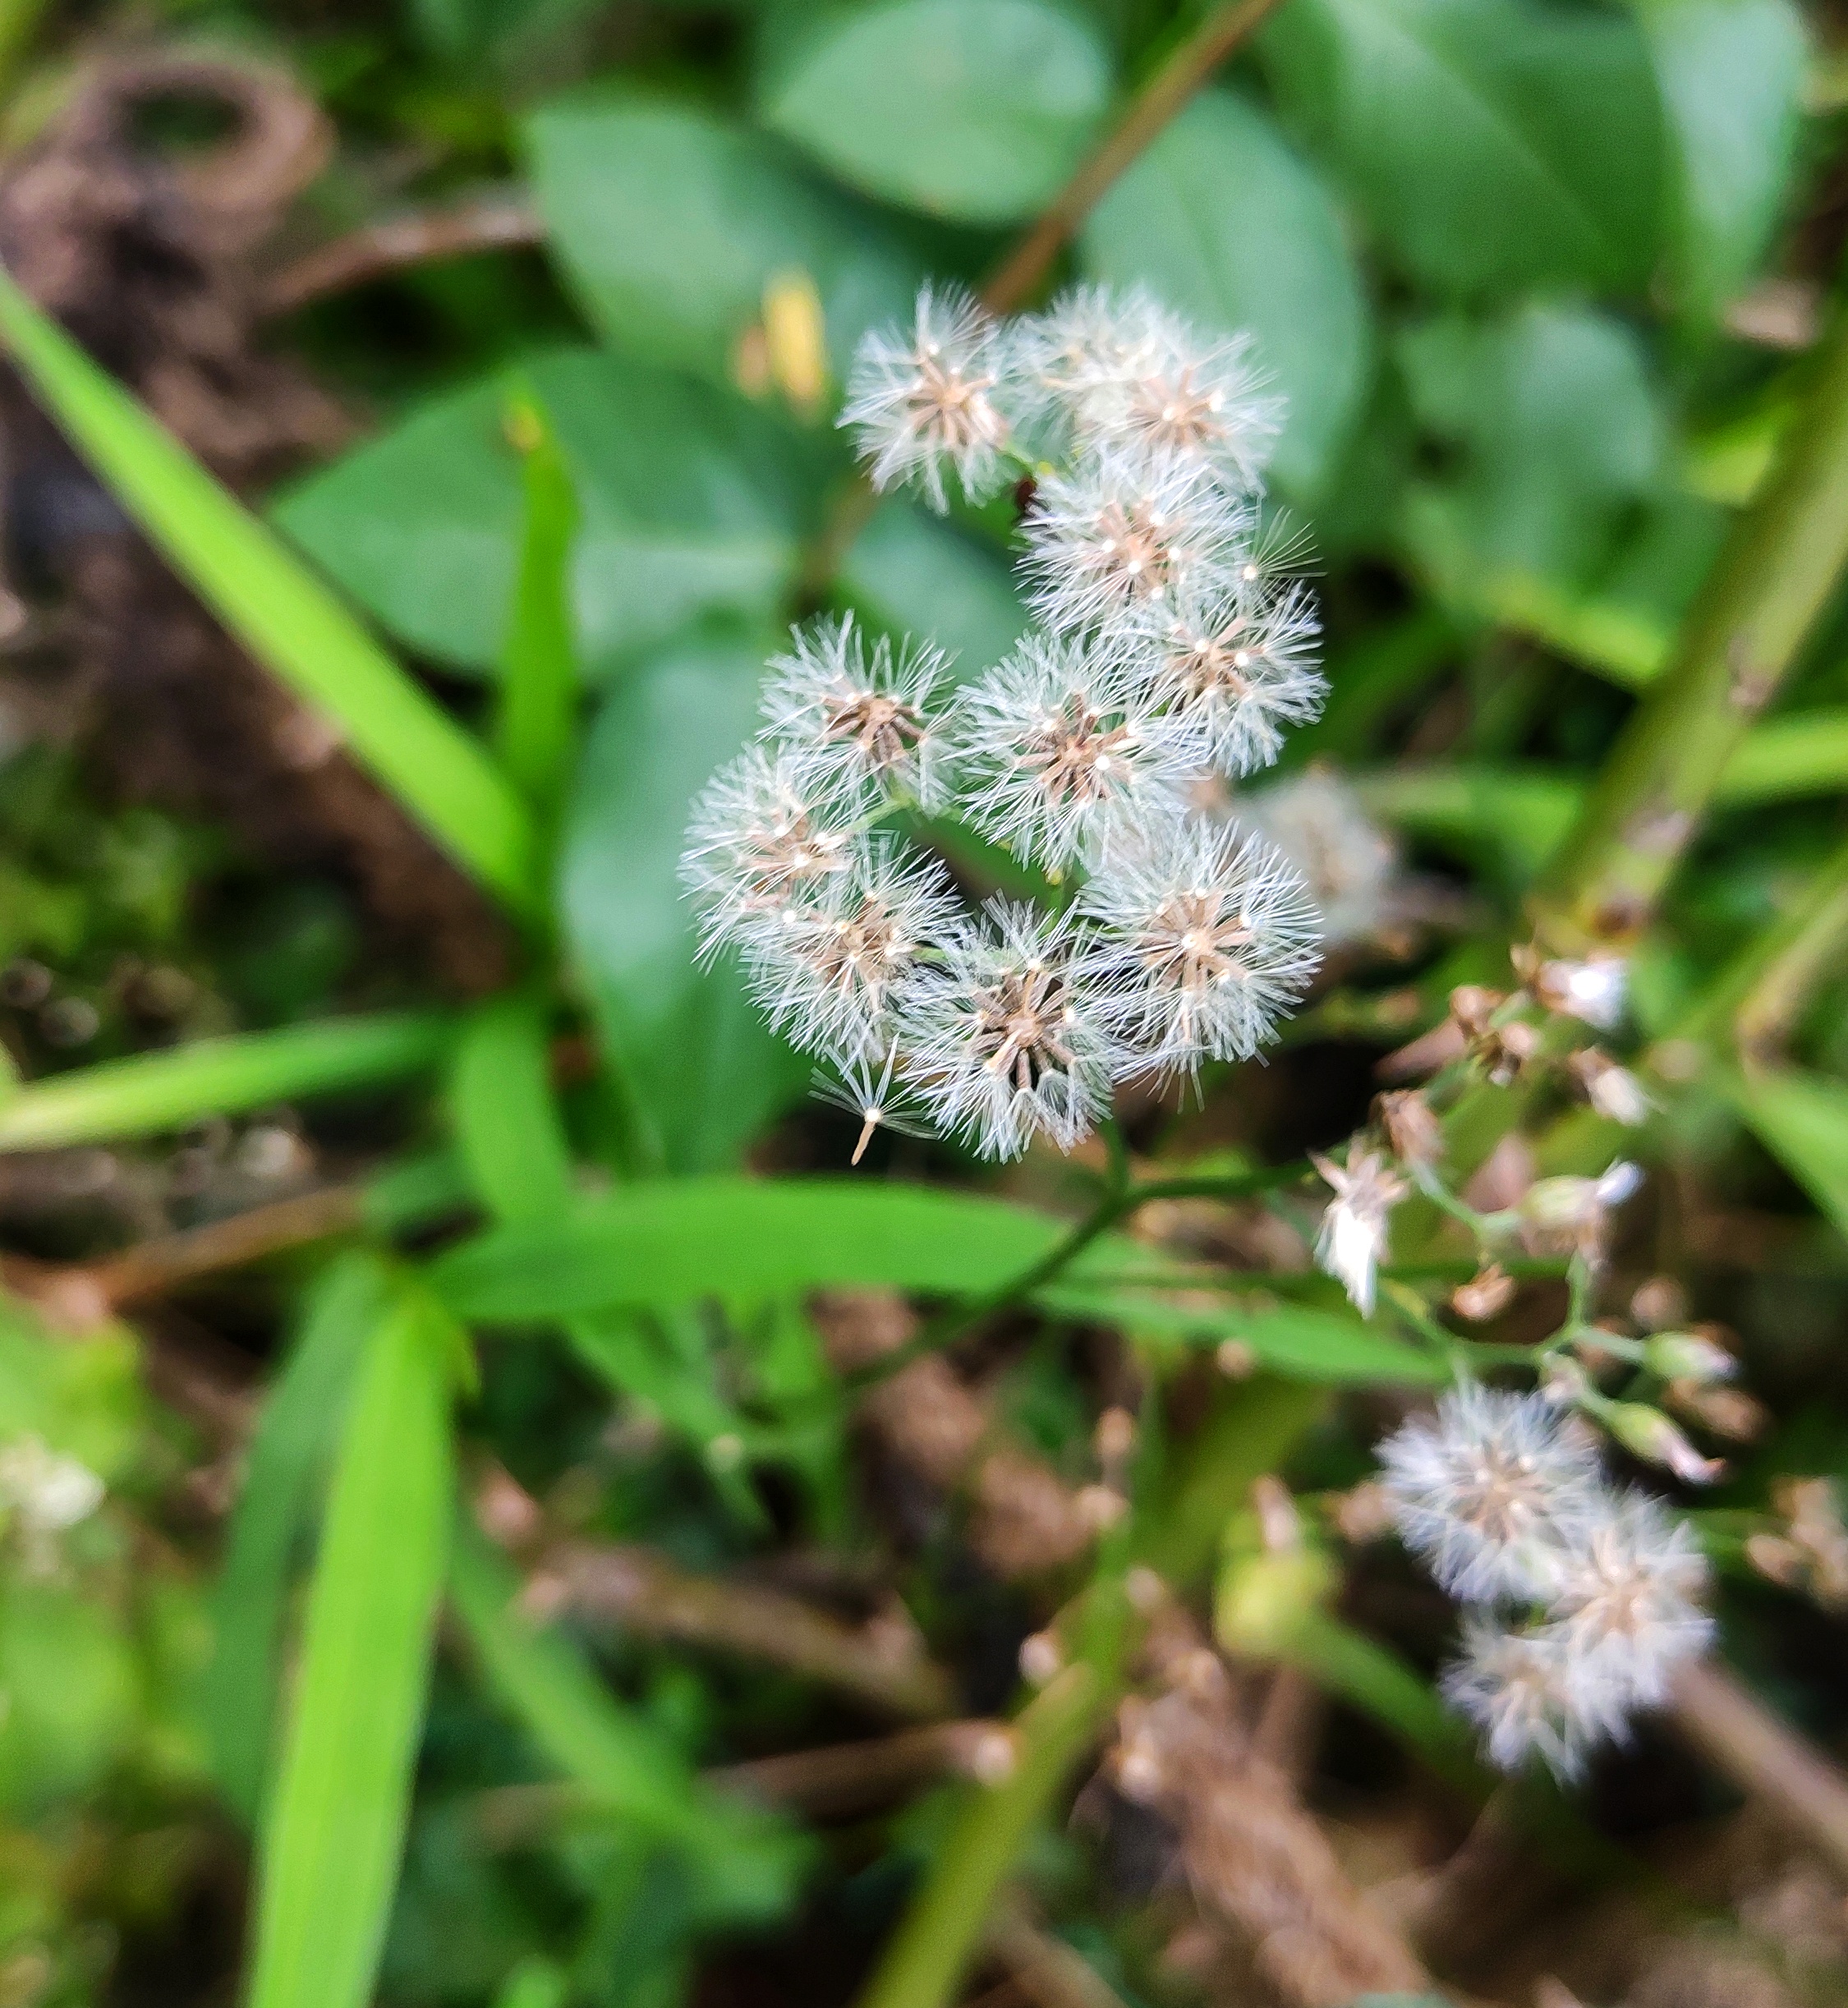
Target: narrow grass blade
(501, 1108)
(156, 1092)
(281, 611)
(539, 669)
(1802, 1119)
(300, 1421)
(335, 1823)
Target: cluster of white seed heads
(1172, 647)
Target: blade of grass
(502, 1110)
(539, 672)
(281, 611)
(336, 1820)
(301, 1419)
(155, 1092)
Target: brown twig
(1764, 1756)
(856, 1777)
(632, 1586)
(505, 219)
(1021, 274)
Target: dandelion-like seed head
(864, 1086)
(1524, 1695)
(1354, 1229)
(1205, 938)
(1057, 750)
(1007, 1042)
(1491, 1492)
(1626, 1605)
(1117, 539)
(1349, 863)
(827, 970)
(924, 405)
(847, 712)
(1239, 667)
(763, 839)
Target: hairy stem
(1758, 606)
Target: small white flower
(1490, 1492)
(1349, 863)
(1005, 1040)
(1056, 751)
(1527, 1698)
(1239, 667)
(847, 713)
(1207, 938)
(1625, 1609)
(763, 838)
(827, 971)
(1354, 1227)
(1116, 541)
(1614, 1092)
(923, 405)
(48, 1492)
(1594, 991)
(863, 1086)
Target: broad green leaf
(1222, 219)
(666, 1241)
(623, 1763)
(281, 611)
(1556, 418)
(501, 1106)
(300, 1422)
(914, 574)
(335, 1822)
(149, 1092)
(670, 222)
(1802, 1119)
(539, 681)
(701, 1071)
(973, 109)
(687, 506)
(1492, 145)
(1292, 1340)
(1730, 73)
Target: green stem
(1758, 608)
(927, 1956)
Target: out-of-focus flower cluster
(1173, 646)
(1581, 1597)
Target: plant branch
(1024, 271)
(498, 221)
(1758, 606)
(856, 1777)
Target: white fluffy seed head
(1119, 370)
(866, 1085)
(847, 713)
(1005, 1039)
(1237, 666)
(926, 403)
(1524, 1694)
(827, 970)
(1349, 863)
(763, 839)
(1493, 1492)
(1118, 542)
(1205, 938)
(1056, 751)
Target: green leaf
(301, 1419)
(702, 1072)
(687, 506)
(1223, 220)
(1557, 418)
(1802, 1119)
(973, 109)
(277, 608)
(336, 1820)
(1730, 73)
(914, 574)
(1292, 1340)
(669, 222)
(669, 1240)
(81, 1401)
(538, 674)
(1520, 813)
(1806, 753)
(1493, 145)
(150, 1093)
(501, 1105)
